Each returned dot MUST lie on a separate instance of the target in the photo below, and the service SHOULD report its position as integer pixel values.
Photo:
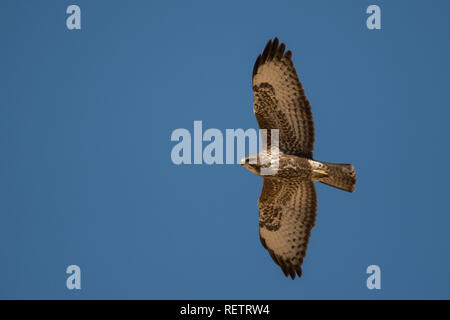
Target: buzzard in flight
(287, 205)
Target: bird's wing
(287, 213)
(280, 101)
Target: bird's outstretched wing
(287, 213)
(280, 101)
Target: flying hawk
(287, 205)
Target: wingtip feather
(273, 49)
(288, 54)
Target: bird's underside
(287, 204)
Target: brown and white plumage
(287, 204)
(287, 215)
(280, 101)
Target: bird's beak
(242, 162)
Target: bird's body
(288, 200)
(341, 176)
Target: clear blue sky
(86, 176)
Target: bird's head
(251, 163)
(255, 163)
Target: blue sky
(86, 176)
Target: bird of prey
(287, 204)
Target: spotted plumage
(287, 204)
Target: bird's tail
(341, 176)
